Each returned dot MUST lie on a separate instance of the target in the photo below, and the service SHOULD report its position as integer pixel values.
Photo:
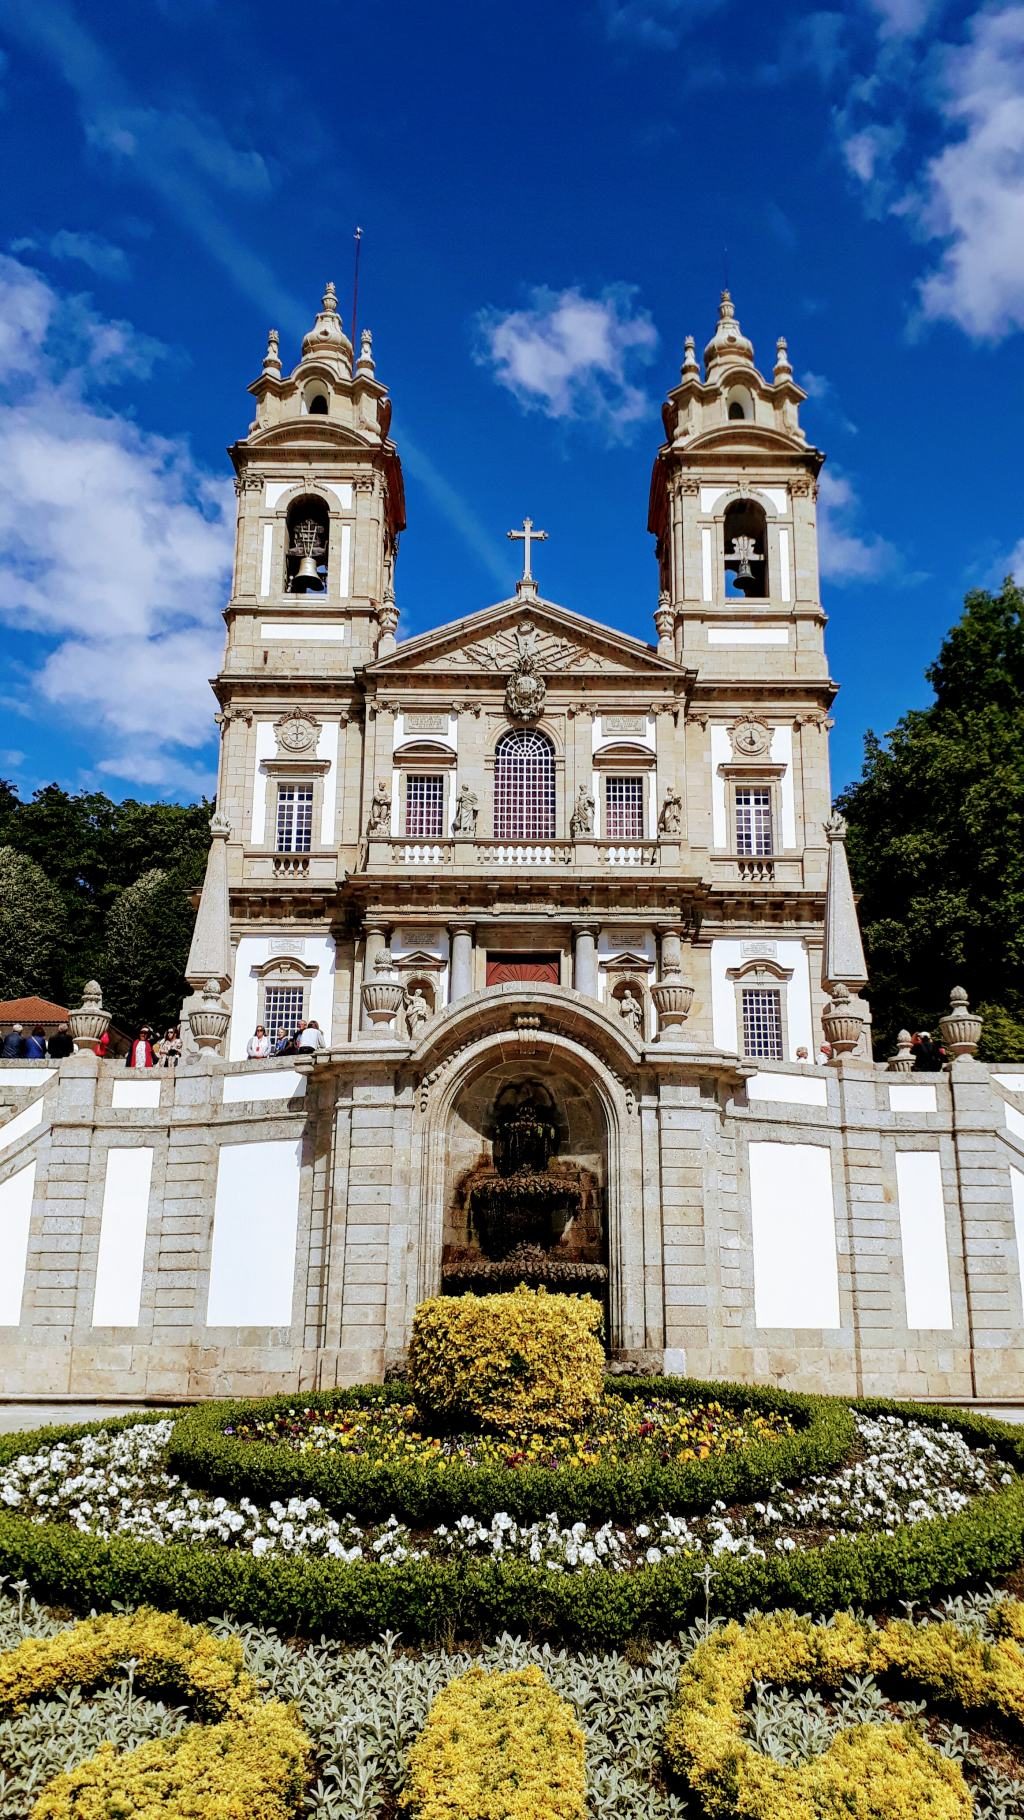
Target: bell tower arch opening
(745, 538)
(307, 545)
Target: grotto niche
(529, 1208)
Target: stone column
(462, 961)
(584, 964)
(376, 942)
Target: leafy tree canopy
(936, 837)
(90, 852)
(31, 928)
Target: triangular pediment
(490, 642)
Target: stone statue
(380, 811)
(631, 1011)
(525, 1136)
(670, 821)
(466, 810)
(417, 1011)
(582, 819)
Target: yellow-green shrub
(528, 1360)
(869, 1772)
(167, 1653)
(243, 1769)
(498, 1747)
(253, 1762)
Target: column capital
(462, 925)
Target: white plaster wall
(135, 1093)
(721, 753)
(1017, 1191)
(252, 951)
(706, 552)
(789, 1089)
(601, 739)
(266, 561)
(911, 1098)
(327, 748)
(727, 952)
(119, 1265)
(776, 496)
(303, 631)
(276, 1084)
(255, 1227)
(342, 490)
(21, 1124)
(13, 1076)
(748, 635)
(266, 746)
(15, 1218)
(1014, 1121)
(796, 1270)
(274, 490)
(345, 565)
(923, 1239)
(785, 573)
(401, 733)
(782, 754)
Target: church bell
(307, 553)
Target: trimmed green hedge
(424, 1492)
(590, 1608)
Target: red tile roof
(31, 1011)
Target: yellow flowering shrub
(525, 1361)
(498, 1747)
(239, 1770)
(869, 1772)
(253, 1761)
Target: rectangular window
(754, 820)
(624, 808)
(282, 1009)
(424, 807)
(762, 1023)
(294, 818)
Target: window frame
(502, 803)
(759, 974)
(411, 777)
(307, 786)
(616, 779)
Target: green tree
(148, 931)
(936, 836)
(31, 928)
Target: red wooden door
(503, 968)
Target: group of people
(929, 1056)
(143, 1052)
(35, 1046)
(286, 1042)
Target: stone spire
(210, 954)
(327, 338)
(842, 961)
(728, 344)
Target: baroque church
(524, 796)
(572, 913)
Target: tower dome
(728, 343)
(327, 338)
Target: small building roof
(31, 1010)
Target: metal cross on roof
(527, 536)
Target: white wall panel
(15, 1217)
(135, 1093)
(266, 746)
(923, 1238)
(21, 1124)
(796, 1270)
(122, 1249)
(1017, 1191)
(316, 950)
(911, 1097)
(807, 1089)
(327, 748)
(255, 1228)
(275, 1084)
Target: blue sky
(549, 196)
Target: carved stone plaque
(288, 944)
(426, 723)
(759, 951)
(624, 723)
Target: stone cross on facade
(526, 537)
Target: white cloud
(191, 138)
(92, 250)
(902, 18)
(973, 190)
(822, 392)
(845, 554)
(868, 153)
(1015, 565)
(114, 544)
(571, 356)
(658, 24)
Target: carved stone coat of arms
(525, 690)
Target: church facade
(572, 914)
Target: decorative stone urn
(903, 1060)
(209, 1024)
(90, 1021)
(383, 996)
(961, 1029)
(842, 1022)
(673, 999)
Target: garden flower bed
(924, 1502)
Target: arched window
(309, 530)
(524, 787)
(746, 550)
(739, 404)
(318, 405)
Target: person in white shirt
(259, 1044)
(312, 1037)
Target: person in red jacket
(140, 1054)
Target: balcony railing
(488, 854)
(757, 869)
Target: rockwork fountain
(530, 1216)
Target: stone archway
(600, 1109)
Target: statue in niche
(670, 821)
(631, 1011)
(380, 811)
(525, 1132)
(466, 811)
(582, 820)
(417, 1011)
